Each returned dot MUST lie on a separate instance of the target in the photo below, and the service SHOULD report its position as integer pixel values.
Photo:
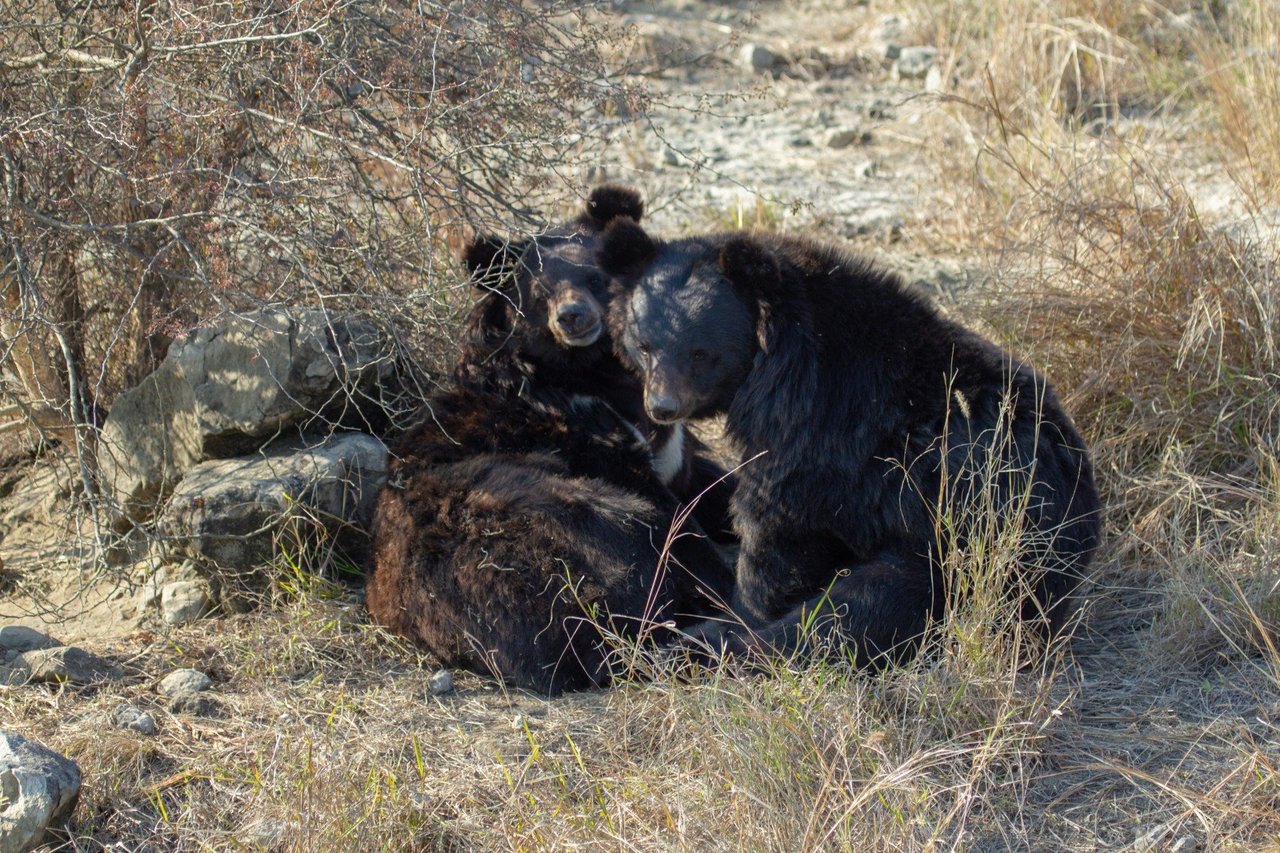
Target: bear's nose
(572, 318)
(663, 409)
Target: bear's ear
(609, 201)
(625, 247)
(490, 259)
(751, 267)
(755, 271)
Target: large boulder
(16, 639)
(38, 791)
(227, 390)
(68, 664)
(230, 512)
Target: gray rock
(195, 705)
(440, 683)
(133, 718)
(914, 62)
(153, 574)
(64, 663)
(757, 58)
(269, 832)
(886, 36)
(225, 391)
(184, 681)
(38, 792)
(184, 601)
(16, 639)
(231, 512)
(843, 137)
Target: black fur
(523, 516)
(510, 538)
(864, 405)
(508, 351)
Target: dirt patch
(53, 578)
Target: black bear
(542, 336)
(879, 435)
(523, 516)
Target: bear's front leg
(777, 571)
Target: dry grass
(1157, 731)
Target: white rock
(914, 62)
(757, 58)
(933, 80)
(38, 791)
(227, 390)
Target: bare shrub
(161, 162)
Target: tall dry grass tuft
(1159, 326)
(1079, 61)
(1162, 331)
(1243, 77)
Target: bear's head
(550, 284)
(691, 315)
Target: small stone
(880, 110)
(184, 601)
(933, 80)
(38, 791)
(886, 36)
(184, 681)
(757, 58)
(843, 137)
(194, 704)
(268, 832)
(19, 638)
(64, 663)
(441, 683)
(914, 62)
(134, 719)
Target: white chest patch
(668, 460)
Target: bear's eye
(643, 347)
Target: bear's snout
(573, 319)
(662, 409)
(577, 322)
